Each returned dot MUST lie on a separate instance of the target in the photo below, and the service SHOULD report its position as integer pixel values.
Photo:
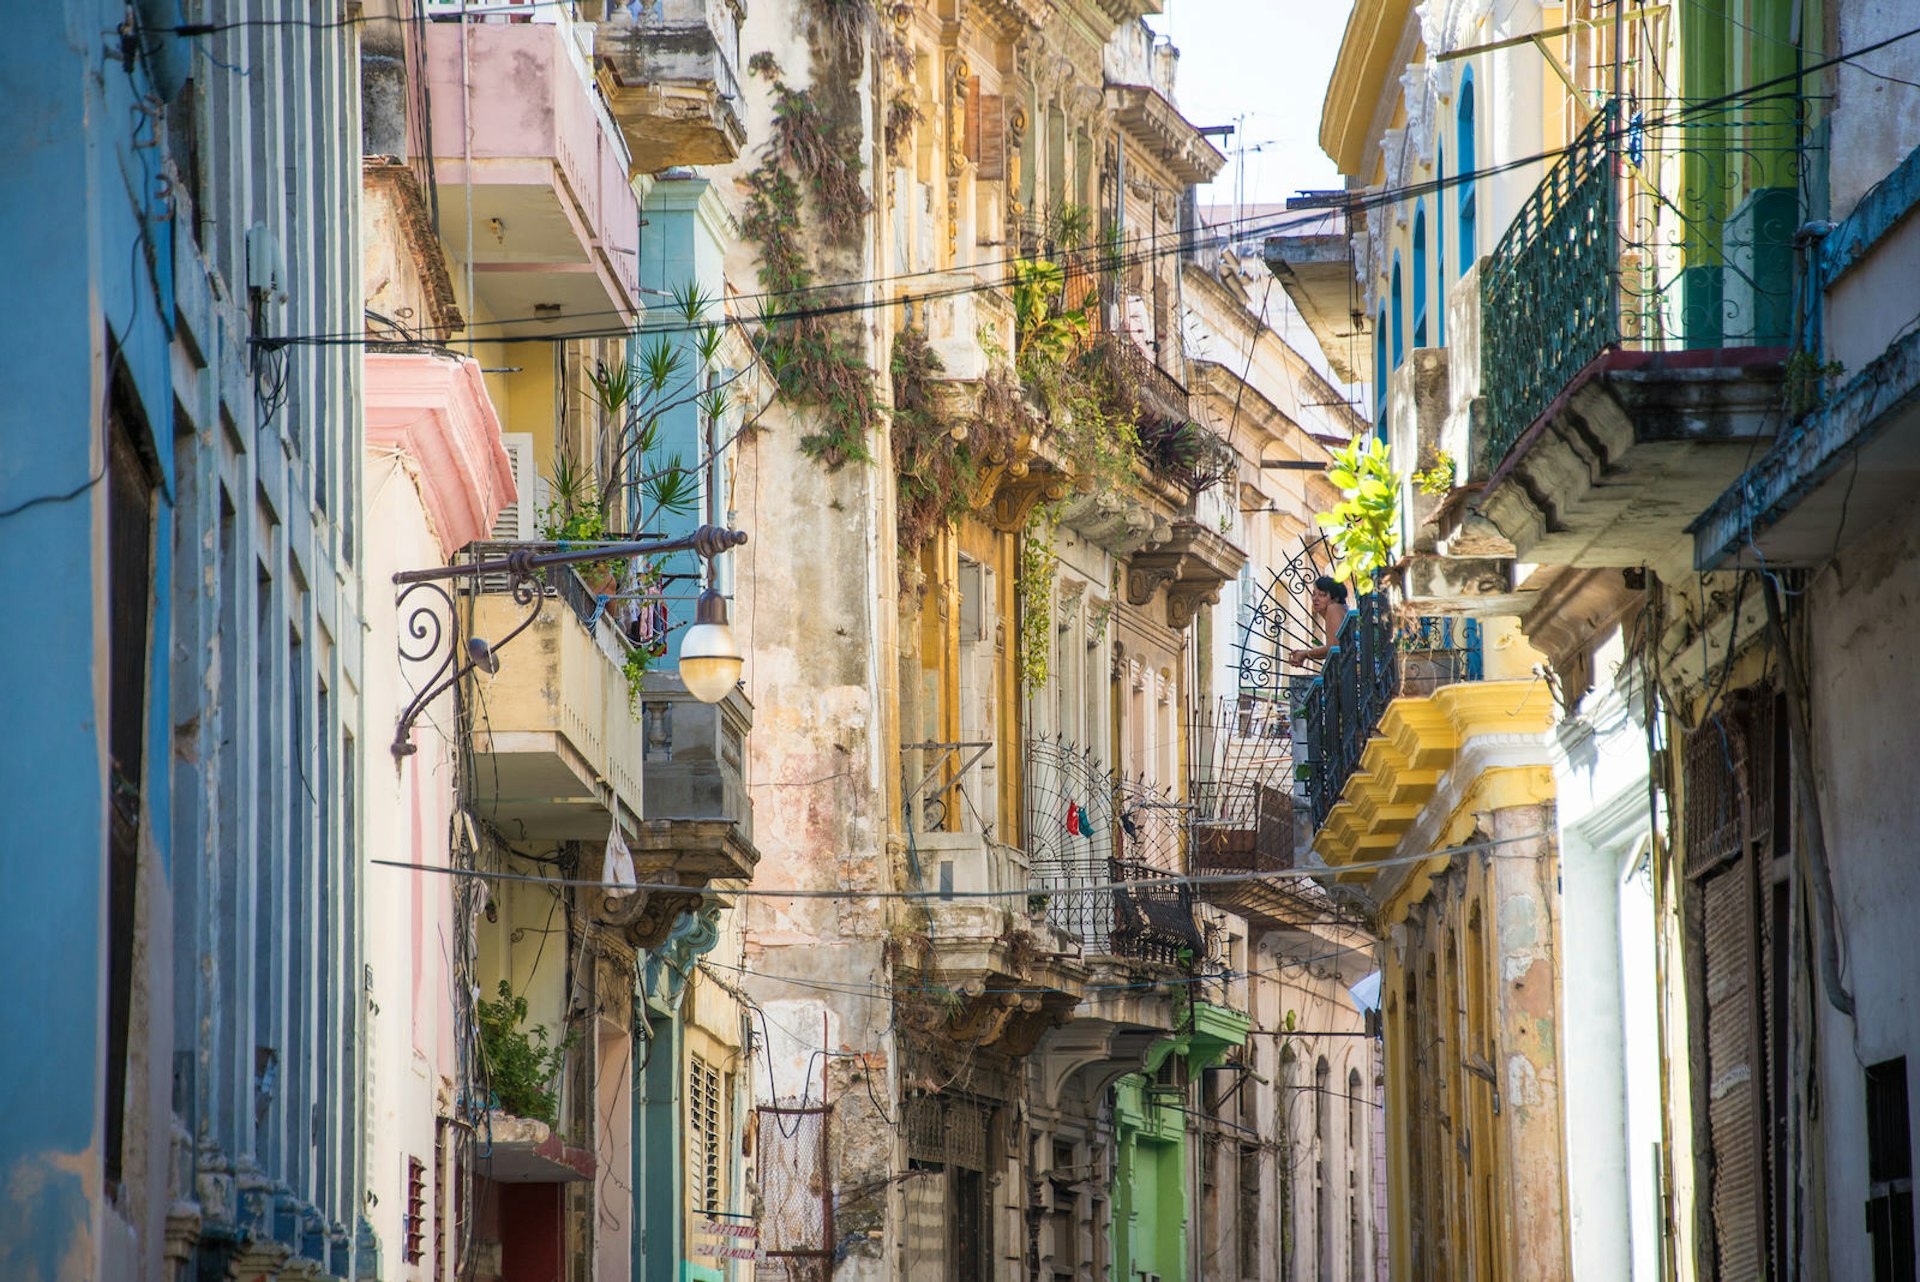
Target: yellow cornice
(1411, 749)
(1366, 50)
(1498, 788)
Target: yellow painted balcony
(557, 749)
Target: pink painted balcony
(531, 166)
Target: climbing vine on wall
(810, 167)
(1038, 561)
(938, 456)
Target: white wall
(1608, 1041)
(409, 922)
(1865, 609)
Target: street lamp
(710, 659)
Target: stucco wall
(1862, 616)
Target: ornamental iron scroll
(1277, 617)
(430, 635)
(1654, 231)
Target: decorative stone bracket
(1193, 564)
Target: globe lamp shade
(710, 659)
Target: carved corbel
(1144, 581)
(645, 917)
(1014, 497)
(1184, 601)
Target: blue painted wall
(125, 271)
(87, 253)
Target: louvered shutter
(515, 524)
(990, 147)
(1727, 1022)
(926, 1225)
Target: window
(1420, 274)
(1398, 303)
(1250, 1220)
(705, 1136)
(1380, 372)
(129, 583)
(1889, 1172)
(413, 1220)
(1356, 1175)
(1322, 1183)
(1464, 148)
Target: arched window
(1398, 304)
(1420, 274)
(1463, 147)
(1440, 249)
(1322, 1168)
(1380, 372)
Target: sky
(1268, 60)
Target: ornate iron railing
(1089, 839)
(1667, 234)
(1376, 661)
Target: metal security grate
(704, 1147)
(796, 1194)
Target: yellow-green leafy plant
(1438, 479)
(1364, 525)
(521, 1064)
(1038, 561)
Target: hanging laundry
(1086, 826)
(1073, 818)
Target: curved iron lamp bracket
(431, 634)
(426, 633)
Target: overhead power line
(928, 896)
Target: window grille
(1889, 1172)
(413, 1223)
(129, 589)
(704, 1142)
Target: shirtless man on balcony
(1330, 608)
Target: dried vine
(812, 161)
(938, 457)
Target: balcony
(1849, 463)
(531, 168)
(1191, 561)
(1376, 661)
(1100, 852)
(557, 748)
(670, 71)
(998, 970)
(696, 811)
(1633, 327)
(1314, 265)
(1155, 396)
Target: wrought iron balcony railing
(1375, 661)
(1102, 852)
(1138, 378)
(1662, 235)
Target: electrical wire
(1146, 883)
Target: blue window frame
(1463, 147)
(1380, 372)
(1398, 303)
(1420, 274)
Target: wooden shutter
(926, 1225)
(986, 133)
(516, 520)
(1728, 784)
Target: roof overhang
(1359, 74)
